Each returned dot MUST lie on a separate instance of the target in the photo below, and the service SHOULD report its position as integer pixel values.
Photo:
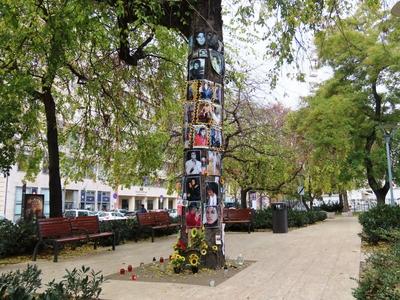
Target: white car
(73, 213)
(111, 215)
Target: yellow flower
(203, 252)
(215, 248)
(194, 260)
(193, 232)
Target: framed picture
(204, 162)
(200, 136)
(212, 40)
(217, 62)
(33, 206)
(217, 95)
(214, 163)
(204, 112)
(196, 68)
(216, 137)
(192, 188)
(200, 38)
(212, 193)
(203, 53)
(206, 90)
(193, 92)
(190, 109)
(211, 216)
(216, 114)
(192, 162)
(186, 135)
(193, 215)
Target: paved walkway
(315, 262)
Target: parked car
(130, 214)
(73, 213)
(111, 215)
(121, 210)
(173, 213)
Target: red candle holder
(130, 268)
(134, 277)
(121, 271)
(161, 259)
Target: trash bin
(279, 217)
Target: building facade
(86, 194)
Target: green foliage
(124, 230)
(380, 279)
(19, 238)
(82, 283)
(17, 285)
(263, 218)
(331, 207)
(379, 221)
(78, 284)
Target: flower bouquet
(177, 262)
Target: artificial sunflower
(193, 232)
(215, 248)
(203, 252)
(194, 260)
(204, 245)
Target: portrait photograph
(192, 162)
(193, 92)
(193, 215)
(206, 90)
(217, 62)
(34, 206)
(214, 163)
(200, 39)
(190, 109)
(212, 40)
(217, 95)
(204, 162)
(200, 136)
(203, 53)
(216, 137)
(212, 193)
(196, 68)
(186, 135)
(192, 188)
(216, 114)
(211, 216)
(204, 112)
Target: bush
(297, 218)
(17, 238)
(378, 220)
(77, 284)
(263, 218)
(381, 277)
(331, 207)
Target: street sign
(300, 190)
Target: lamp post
(388, 135)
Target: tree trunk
(380, 192)
(243, 197)
(343, 200)
(54, 160)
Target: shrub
(331, 207)
(77, 284)
(20, 285)
(381, 277)
(263, 218)
(381, 217)
(297, 218)
(17, 238)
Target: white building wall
(72, 191)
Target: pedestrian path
(316, 262)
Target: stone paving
(316, 262)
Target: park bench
(60, 231)
(155, 220)
(238, 216)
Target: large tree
(345, 120)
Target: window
(150, 204)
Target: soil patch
(204, 277)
